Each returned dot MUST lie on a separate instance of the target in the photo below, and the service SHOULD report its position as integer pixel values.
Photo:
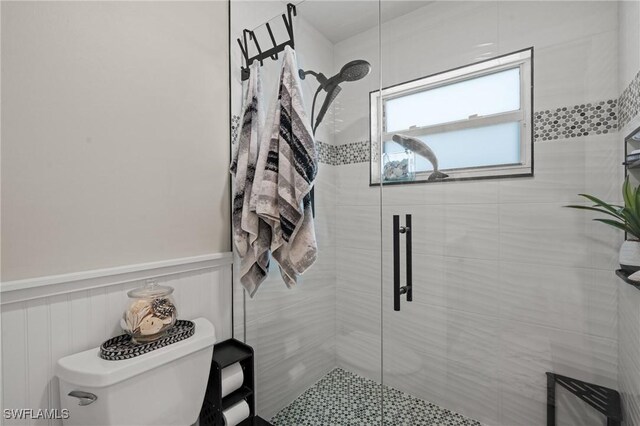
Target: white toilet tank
(162, 387)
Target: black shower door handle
(408, 288)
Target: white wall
(508, 283)
(114, 153)
(629, 297)
(291, 330)
(114, 134)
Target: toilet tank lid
(88, 369)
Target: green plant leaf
(597, 209)
(627, 217)
(631, 219)
(611, 207)
(613, 223)
(637, 199)
(629, 195)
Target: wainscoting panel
(39, 331)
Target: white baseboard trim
(35, 288)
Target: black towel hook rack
(273, 51)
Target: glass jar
(150, 313)
(399, 166)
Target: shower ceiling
(336, 19)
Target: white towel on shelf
(251, 234)
(288, 168)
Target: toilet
(163, 387)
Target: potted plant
(626, 218)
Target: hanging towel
(251, 234)
(290, 167)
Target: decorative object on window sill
(420, 148)
(399, 166)
(150, 314)
(625, 218)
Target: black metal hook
(291, 8)
(245, 48)
(244, 52)
(253, 37)
(271, 52)
(288, 23)
(273, 40)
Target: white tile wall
(489, 277)
(629, 42)
(508, 283)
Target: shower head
(351, 71)
(354, 70)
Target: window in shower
(473, 122)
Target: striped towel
(251, 234)
(290, 164)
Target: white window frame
(522, 59)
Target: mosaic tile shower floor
(342, 398)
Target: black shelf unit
(631, 140)
(224, 354)
(632, 165)
(604, 400)
(624, 275)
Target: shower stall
(450, 277)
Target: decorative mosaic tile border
(575, 121)
(355, 152)
(561, 123)
(327, 153)
(344, 398)
(629, 102)
(348, 153)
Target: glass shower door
(439, 228)
(489, 282)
